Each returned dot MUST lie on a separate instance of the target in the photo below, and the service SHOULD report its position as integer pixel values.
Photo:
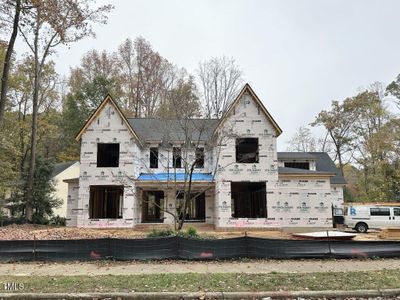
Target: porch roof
(175, 177)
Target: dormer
(297, 160)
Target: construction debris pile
(42, 232)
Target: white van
(362, 218)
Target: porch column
(222, 203)
(170, 197)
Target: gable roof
(248, 88)
(323, 163)
(173, 129)
(61, 167)
(107, 99)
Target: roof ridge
(169, 119)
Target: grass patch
(193, 282)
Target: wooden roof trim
(71, 180)
(247, 87)
(103, 103)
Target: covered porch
(161, 197)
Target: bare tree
(220, 81)
(127, 65)
(181, 167)
(6, 7)
(190, 144)
(302, 141)
(45, 26)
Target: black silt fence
(63, 250)
(17, 250)
(142, 249)
(349, 249)
(191, 249)
(266, 248)
(212, 249)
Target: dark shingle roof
(173, 130)
(323, 163)
(60, 167)
(295, 155)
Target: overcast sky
(297, 55)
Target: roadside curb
(206, 295)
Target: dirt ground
(151, 267)
(42, 232)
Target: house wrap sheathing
(132, 171)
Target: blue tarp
(175, 177)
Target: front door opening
(196, 206)
(106, 202)
(249, 200)
(153, 207)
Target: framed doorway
(153, 207)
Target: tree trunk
(7, 61)
(32, 159)
(187, 198)
(340, 161)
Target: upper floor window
(298, 165)
(153, 158)
(107, 155)
(199, 157)
(177, 157)
(247, 150)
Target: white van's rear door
(396, 217)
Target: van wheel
(361, 227)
